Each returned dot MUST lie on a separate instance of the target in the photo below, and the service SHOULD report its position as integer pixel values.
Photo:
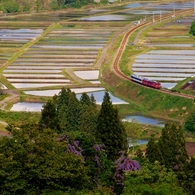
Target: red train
(145, 81)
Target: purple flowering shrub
(123, 164)
(75, 148)
(92, 156)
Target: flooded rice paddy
(36, 107)
(88, 75)
(12, 39)
(51, 93)
(36, 85)
(60, 49)
(165, 65)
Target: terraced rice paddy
(165, 65)
(172, 34)
(11, 40)
(72, 48)
(51, 93)
(62, 48)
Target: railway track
(120, 74)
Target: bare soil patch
(190, 147)
(189, 86)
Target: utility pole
(160, 15)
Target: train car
(145, 81)
(136, 78)
(150, 83)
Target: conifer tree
(172, 147)
(68, 110)
(153, 152)
(110, 130)
(49, 116)
(88, 115)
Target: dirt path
(13, 95)
(101, 60)
(76, 79)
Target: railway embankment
(161, 103)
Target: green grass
(18, 118)
(3, 127)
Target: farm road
(13, 95)
(105, 49)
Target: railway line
(120, 74)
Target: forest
(79, 148)
(11, 6)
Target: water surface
(144, 120)
(88, 74)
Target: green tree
(104, 1)
(153, 152)
(93, 101)
(49, 116)
(172, 147)
(154, 179)
(33, 162)
(38, 5)
(110, 130)
(189, 124)
(88, 115)
(61, 2)
(192, 28)
(187, 176)
(68, 110)
(11, 6)
(54, 5)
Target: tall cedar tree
(172, 147)
(68, 110)
(88, 114)
(153, 152)
(49, 116)
(110, 130)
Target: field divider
(26, 46)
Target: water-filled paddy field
(98, 95)
(61, 48)
(11, 40)
(165, 65)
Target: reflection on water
(88, 74)
(144, 120)
(168, 85)
(27, 107)
(105, 18)
(133, 142)
(98, 95)
(172, 52)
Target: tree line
(78, 148)
(11, 6)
